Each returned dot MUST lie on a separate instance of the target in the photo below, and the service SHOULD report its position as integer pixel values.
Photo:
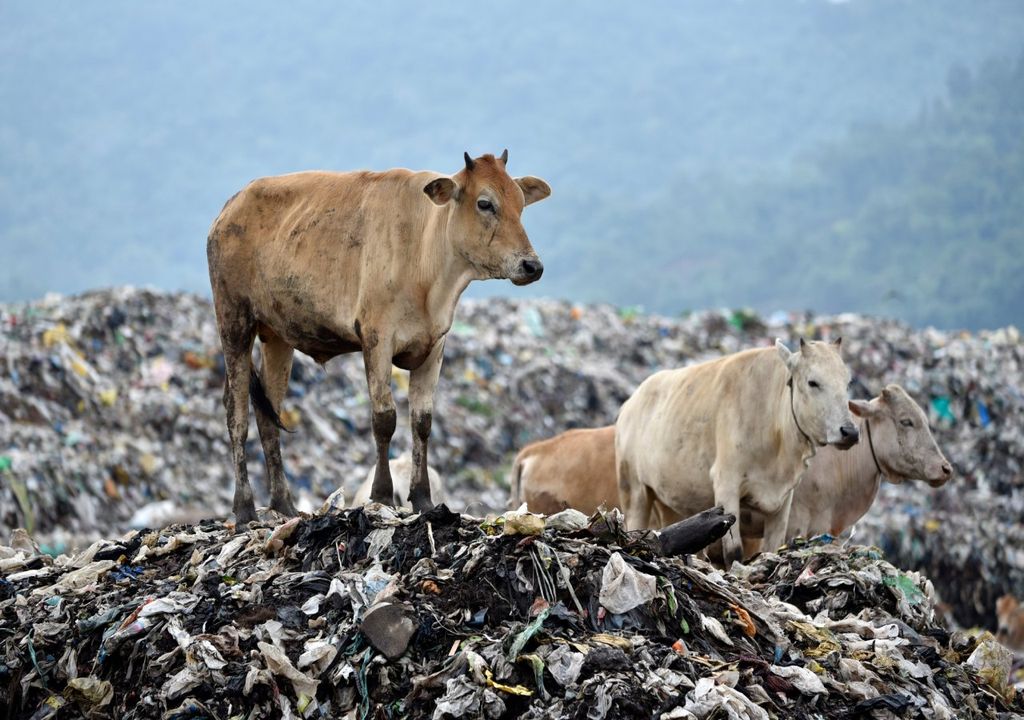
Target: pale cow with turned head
(839, 487)
(373, 262)
(736, 431)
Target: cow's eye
(907, 422)
(485, 205)
(814, 384)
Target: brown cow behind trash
(1010, 615)
(736, 431)
(573, 470)
(840, 486)
(330, 263)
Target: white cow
(736, 431)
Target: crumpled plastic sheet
(111, 417)
(623, 587)
(221, 624)
(709, 698)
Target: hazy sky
(126, 125)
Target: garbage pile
(111, 414)
(368, 613)
(978, 555)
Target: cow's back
(317, 222)
(573, 470)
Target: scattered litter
(452, 619)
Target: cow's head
(484, 206)
(904, 445)
(820, 380)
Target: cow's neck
(857, 479)
(800, 447)
(442, 272)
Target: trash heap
(368, 613)
(111, 416)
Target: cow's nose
(947, 470)
(850, 433)
(532, 269)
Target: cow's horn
(504, 157)
(469, 161)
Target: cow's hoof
(243, 518)
(422, 505)
(285, 507)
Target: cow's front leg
(422, 382)
(727, 490)
(775, 525)
(377, 358)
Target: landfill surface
(369, 613)
(111, 417)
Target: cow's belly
(674, 463)
(320, 342)
(684, 489)
(324, 346)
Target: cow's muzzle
(946, 474)
(848, 436)
(528, 271)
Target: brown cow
(573, 470)
(1011, 623)
(330, 263)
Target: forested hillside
(922, 220)
(706, 153)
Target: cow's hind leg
(422, 382)
(377, 358)
(237, 335)
(274, 373)
(635, 498)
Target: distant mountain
(126, 126)
(921, 220)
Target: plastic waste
(368, 611)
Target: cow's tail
(261, 402)
(515, 484)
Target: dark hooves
(422, 506)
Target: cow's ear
(533, 188)
(790, 358)
(441, 190)
(863, 408)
